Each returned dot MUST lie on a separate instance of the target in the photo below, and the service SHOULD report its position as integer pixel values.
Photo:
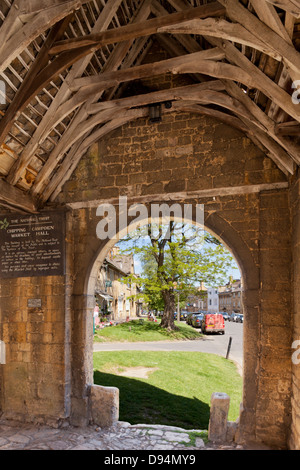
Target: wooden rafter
(115, 61)
(136, 30)
(21, 97)
(64, 93)
(246, 70)
(289, 55)
(14, 198)
(292, 6)
(223, 29)
(268, 14)
(70, 55)
(278, 154)
(16, 35)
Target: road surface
(214, 344)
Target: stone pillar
(251, 306)
(217, 430)
(273, 403)
(82, 358)
(295, 427)
(104, 405)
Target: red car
(213, 323)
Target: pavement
(121, 437)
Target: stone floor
(123, 436)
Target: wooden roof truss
(65, 65)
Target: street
(214, 344)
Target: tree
(175, 259)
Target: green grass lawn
(145, 330)
(178, 390)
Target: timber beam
(15, 198)
(135, 30)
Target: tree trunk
(169, 309)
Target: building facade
(212, 299)
(197, 302)
(226, 298)
(115, 299)
(230, 297)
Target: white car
(232, 317)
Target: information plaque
(32, 245)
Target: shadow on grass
(141, 403)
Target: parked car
(225, 315)
(232, 317)
(240, 318)
(183, 315)
(189, 318)
(213, 323)
(197, 320)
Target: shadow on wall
(144, 403)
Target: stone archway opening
(246, 206)
(143, 371)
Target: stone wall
(36, 375)
(181, 153)
(275, 319)
(189, 153)
(36, 378)
(181, 159)
(295, 203)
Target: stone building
(116, 300)
(197, 302)
(230, 297)
(77, 133)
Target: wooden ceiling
(66, 66)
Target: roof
(121, 264)
(67, 65)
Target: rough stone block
(232, 428)
(104, 402)
(217, 429)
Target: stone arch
(214, 224)
(241, 201)
(220, 228)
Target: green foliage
(175, 259)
